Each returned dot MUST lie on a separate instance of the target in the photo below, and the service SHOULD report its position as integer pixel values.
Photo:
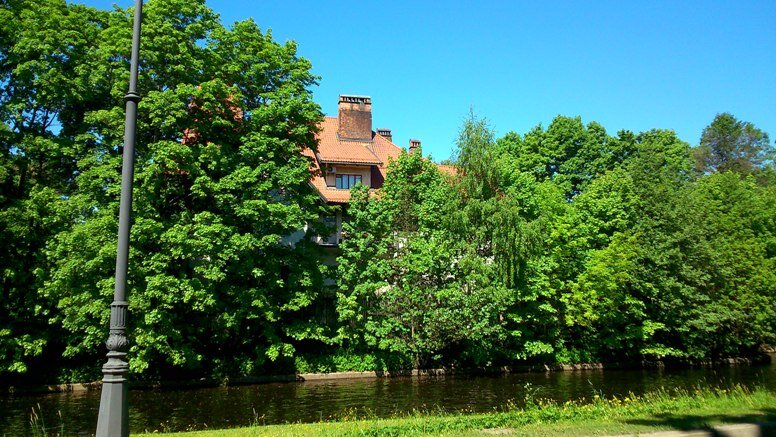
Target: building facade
(350, 152)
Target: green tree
(43, 96)
(408, 285)
(214, 287)
(727, 234)
(505, 221)
(732, 144)
(608, 314)
(680, 269)
(363, 266)
(607, 302)
(568, 152)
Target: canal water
(225, 407)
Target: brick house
(350, 152)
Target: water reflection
(223, 407)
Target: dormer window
(346, 181)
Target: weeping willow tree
(421, 273)
(503, 217)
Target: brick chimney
(414, 146)
(385, 133)
(355, 117)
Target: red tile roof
(318, 182)
(332, 150)
(386, 151)
(376, 154)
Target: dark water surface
(225, 407)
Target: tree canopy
(734, 145)
(584, 246)
(219, 181)
(562, 244)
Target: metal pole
(114, 410)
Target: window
(345, 181)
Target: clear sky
(625, 64)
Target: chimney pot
(355, 117)
(385, 133)
(414, 145)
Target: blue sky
(625, 64)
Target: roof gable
(334, 150)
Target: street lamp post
(114, 411)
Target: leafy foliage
(590, 247)
(735, 145)
(408, 285)
(562, 244)
(219, 181)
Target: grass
(657, 411)
(38, 426)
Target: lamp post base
(113, 420)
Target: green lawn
(653, 412)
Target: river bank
(655, 411)
(168, 410)
(762, 359)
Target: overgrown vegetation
(565, 245)
(562, 244)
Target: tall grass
(38, 426)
